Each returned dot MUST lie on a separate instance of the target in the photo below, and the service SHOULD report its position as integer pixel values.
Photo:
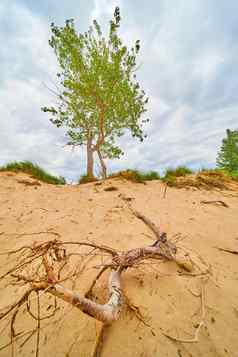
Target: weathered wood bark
(135, 256)
(106, 313)
(90, 158)
(103, 165)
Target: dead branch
(167, 247)
(88, 294)
(147, 221)
(19, 235)
(165, 190)
(105, 313)
(215, 202)
(53, 251)
(231, 251)
(98, 346)
(41, 266)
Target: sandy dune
(167, 297)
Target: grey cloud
(187, 66)
(59, 11)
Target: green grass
(203, 179)
(149, 176)
(171, 175)
(178, 171)
(220, 172)
(34, 171)
(136, 175)
(233, 175)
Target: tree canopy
(99, 97)
(227, 158)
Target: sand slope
(167, 297)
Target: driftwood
(54, 252)
(41, 268)
(106, 313)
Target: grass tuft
(137, 176)
(171, 175)
(204, 179)
(34, 171)
(86, 179)
(178, 172)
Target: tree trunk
(103, 165)
(89, 158)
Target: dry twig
(216, 202)
(227, 250)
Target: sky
(187, 67)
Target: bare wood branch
(98, 346)
(105, 313)
(147, 221)
(216, 202)
(227, 250)
(88, 294)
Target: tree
(99, 97)
(227, 158)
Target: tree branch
(106, 313)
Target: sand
(168, 298)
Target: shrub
(178, 172)
(34, 171)
(149, 176)
(86, 179)
(234, 175)
(170, 176)
(137, 176)
(223, 174)
(205, 179)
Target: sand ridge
(168, 299)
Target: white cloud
(26, 133)
(188, 67)
(104, 9)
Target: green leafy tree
(227, 158)
(99, 97)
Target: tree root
(46, 262)
(98, 346)
(89, 294)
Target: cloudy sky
(188, 68)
